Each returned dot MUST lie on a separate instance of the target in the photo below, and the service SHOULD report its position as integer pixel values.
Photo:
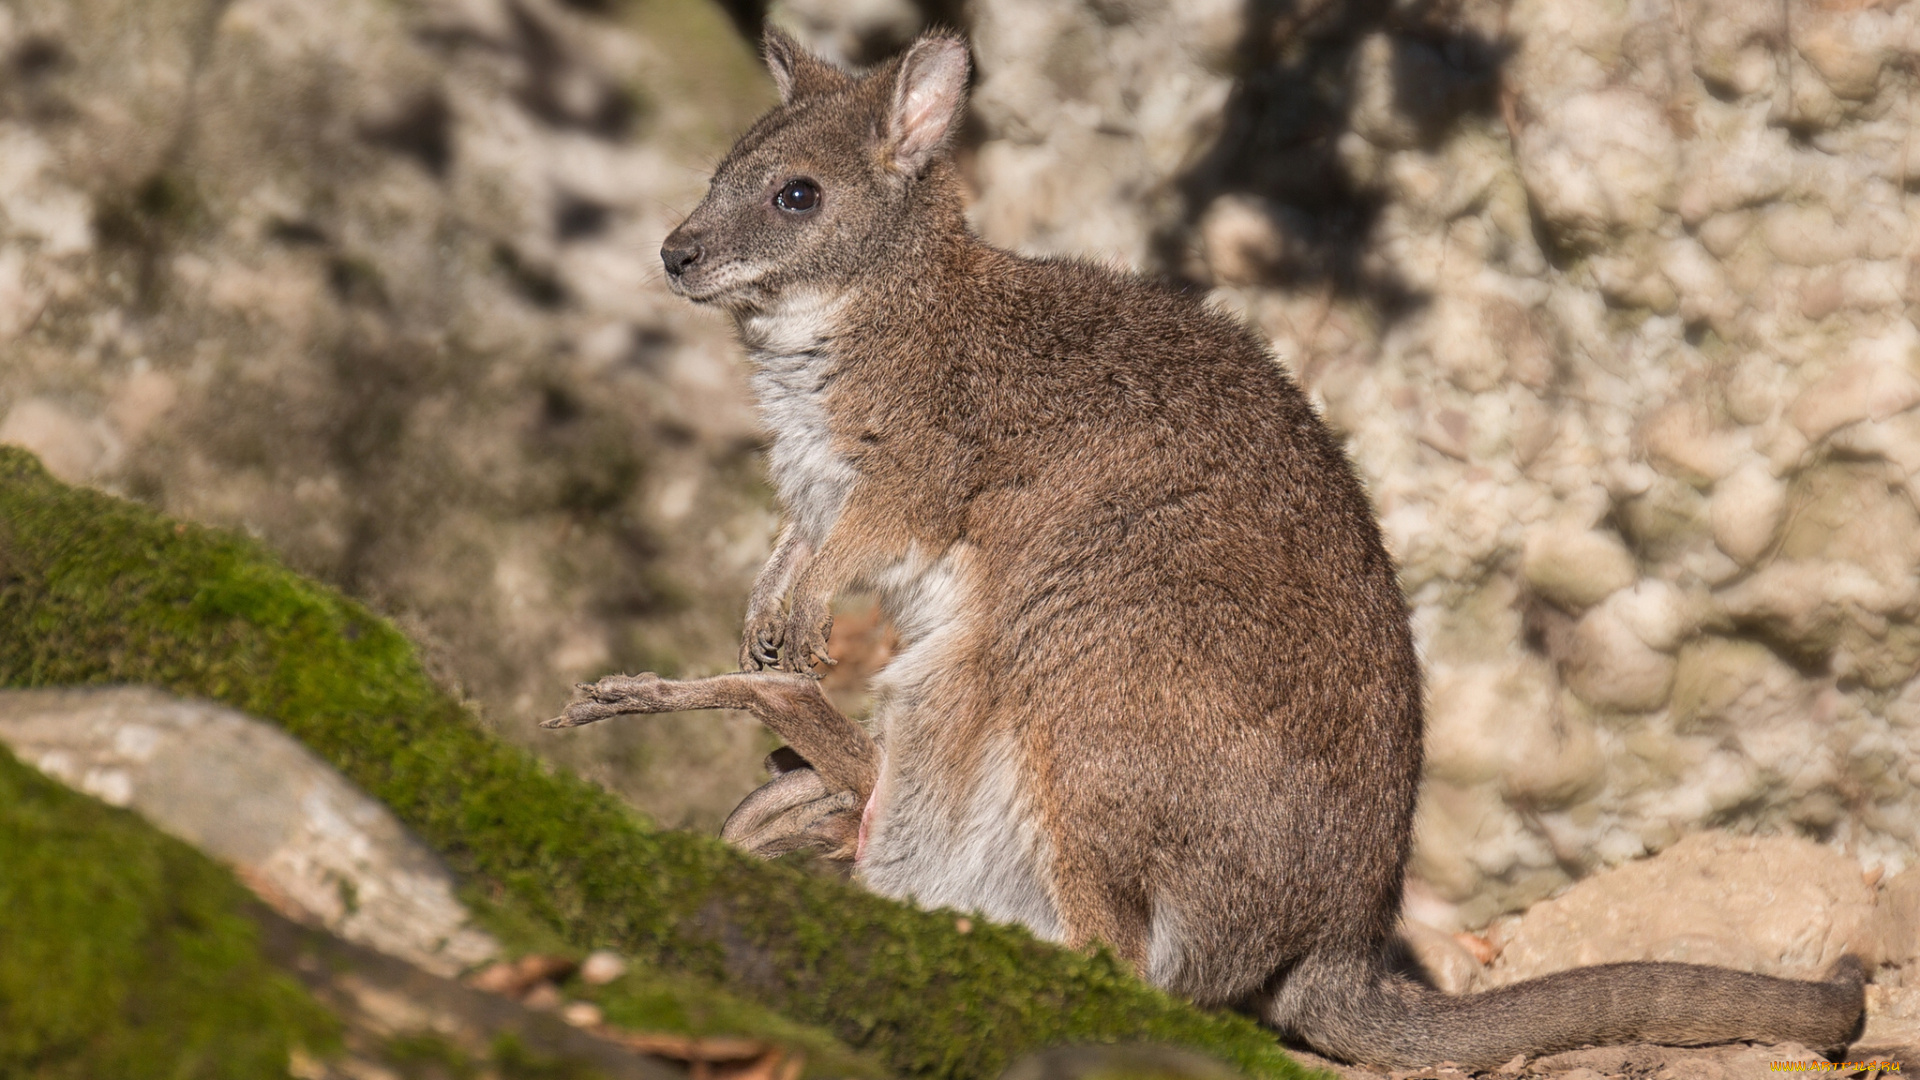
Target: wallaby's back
(1157, 685)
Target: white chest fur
(792, 349)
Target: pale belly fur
(981, 850)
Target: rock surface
(1776, 905)
(311, 844)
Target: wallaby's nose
(679, 252)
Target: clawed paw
(804, 643)
(760, 643)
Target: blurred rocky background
(1613, 300)
(375, 282)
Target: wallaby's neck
(799, 323)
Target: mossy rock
(94, 589)
(125, 953)
(128, 954)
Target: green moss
(513, 1061)
(648, 1000)
(94, 589)
(423, 1056)
(126, 953)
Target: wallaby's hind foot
(795, 812)
(792, 706)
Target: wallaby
(1157, 686)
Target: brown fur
(1157, 686)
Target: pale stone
(1741, 161)
(1807, 103)
(1777, 905)
(1852, 511)
(1242, 239)
(35, 205)
(602, 967)
(1472, 713)
(1448, 431)
(1449, 828)
(1576, 568)
(1722, 234)
(71, 447)
(245, 792)
(1705, 294)
(1555, 759)
(851, 33)
(21, 302)
(1446, 963)
(1057, 82)
(1832, 611)
(1609, 667)
(1657, 613)
(1567, 45)
(1602, 160)
(144, 397)
(1729, 40)
(1753, 392)
(1734, 1061)
(1747, 509)
(1848, 50)
(1892, 1030)
(1726, 684)
(1898, 920)
(1680, 439)
(1859, 390)
(1477, 337)
(1793, 596)
(1401, 91)
(1801, 235)
(1630, 276)
(1821, 296)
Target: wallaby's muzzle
(679, 253)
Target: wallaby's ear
(796, 72)
(928, 96)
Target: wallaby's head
(834, 183)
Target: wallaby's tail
(1353, 1010)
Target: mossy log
(126, 953)
(94, 589)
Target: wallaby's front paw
(804, 641)
(760, 642)
(615, 695)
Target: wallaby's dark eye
(797, 196)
